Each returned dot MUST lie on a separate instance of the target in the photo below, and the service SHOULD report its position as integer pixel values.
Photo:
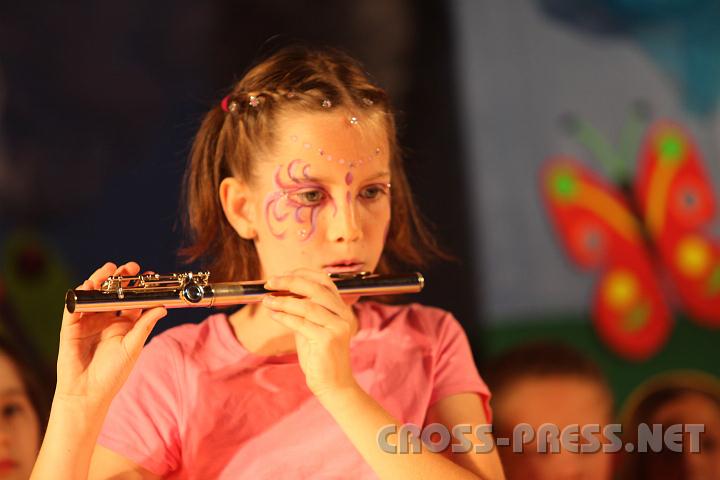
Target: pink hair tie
(224, 103)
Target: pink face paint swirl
(289, 172)
(271, 203)
(285, 189)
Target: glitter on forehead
(342, 161)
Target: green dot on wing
(671, 148)
(564, 185)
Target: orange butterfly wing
(599, 231)
(677, 204)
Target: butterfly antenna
(632, 132)
(590, 138)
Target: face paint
(279, 204)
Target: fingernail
(271, 282)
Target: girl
(292, 176)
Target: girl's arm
(322, 325)
(96, 354)
(361, 418)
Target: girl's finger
(301, 308)
(308, 288)
(101, 274)
(307, 329)
(318, 276)
(131, 315)
(130, 268)
(138, 334)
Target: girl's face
(321, 198)
(19, 425)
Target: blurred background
(99, 102)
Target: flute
(186, 290)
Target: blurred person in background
(546, 382)
(24, 411)
(679, 397)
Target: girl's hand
(322, 323)
(98, 350)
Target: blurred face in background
(690, 408)
(561, 401)
(19, 425)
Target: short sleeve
(142, 424)
(455, 371)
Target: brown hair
(299, 78)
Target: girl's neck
(261, 335)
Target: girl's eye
(373, 191)
(307, 197)
(10, 410)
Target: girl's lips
(350, 268)
(7, 465)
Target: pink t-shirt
(198, 405)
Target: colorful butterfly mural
(648, 237)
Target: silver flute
(186, 290)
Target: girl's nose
(343, 225)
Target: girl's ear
(238, 207)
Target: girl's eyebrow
(12, 391)
(368, 179)
(376, 176)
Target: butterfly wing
(677, 203)
(600, 233)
